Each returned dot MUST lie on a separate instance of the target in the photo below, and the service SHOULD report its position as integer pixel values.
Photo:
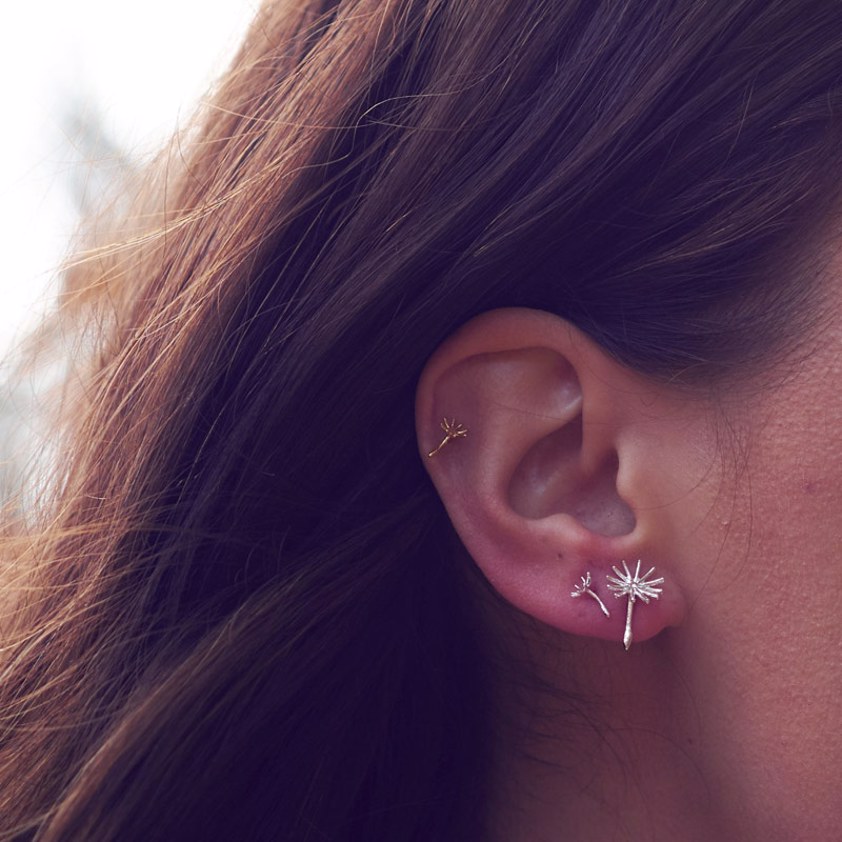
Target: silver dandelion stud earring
(624, 584)
(584, 587)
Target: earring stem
(627, 634)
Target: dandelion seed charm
(452, 430)
(584, 587)
(624, 584)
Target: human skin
(726, 723)
(730, 726)
(762, 649)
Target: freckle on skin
(810, 487)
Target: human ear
(542, 448)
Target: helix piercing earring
(624, 584)
(452, 430)
(584, 587)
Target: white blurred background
(88, 88)
(87, 84)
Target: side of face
(767, 591)
(572, 463)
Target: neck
(608, 750)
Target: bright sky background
(141, 66)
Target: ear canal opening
(549, 481)
(598, 506)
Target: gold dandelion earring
(584, 587)
(452, 430)
(624, 584)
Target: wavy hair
(242, 615)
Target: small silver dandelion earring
(624, 584)
(452, 430)
(584, 587)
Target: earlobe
(520, 421)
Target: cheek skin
(769, 608)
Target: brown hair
(242, 618)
